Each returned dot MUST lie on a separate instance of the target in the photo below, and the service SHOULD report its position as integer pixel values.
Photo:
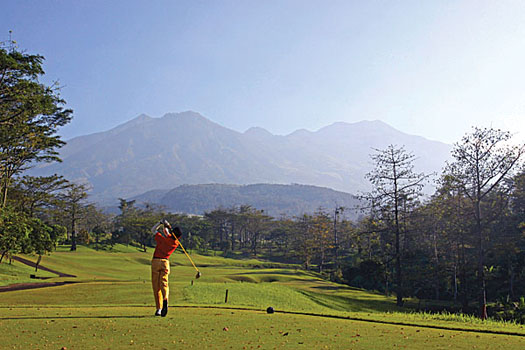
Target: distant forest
(275, 200)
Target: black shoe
(157, 313)
(164, 311)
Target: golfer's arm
(154, 228)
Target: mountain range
(148, 153)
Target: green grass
(193, 328)
(112, 303)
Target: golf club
(184, 250)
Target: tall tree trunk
(399, 275)
(387, 282)
(436, 265)
(73, 234)
(481, 266)
(369, 248)
(399, 280)
(463, 278)
(233, 236)
(321, 264)
(241, 238)
(4, 193)
(254, 243)
(336, 243)
(455, 283)
(38, 262)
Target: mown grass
(112, 298)
(192, 328)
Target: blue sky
(431, 68)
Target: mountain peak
(190, 119)
(186, 147)
(300, 133)
(359, 125)
(258, 132)
(141, 119)
(186, 114)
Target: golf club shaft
(184, 250)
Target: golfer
(160, 265)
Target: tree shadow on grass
(344, 288)
(143, 261)
(281, 271)
(269, 276)
(330, 288)
(349, 304)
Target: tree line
(464, 244)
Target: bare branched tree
(483, 159)
(394, 185)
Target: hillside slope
(275, 200)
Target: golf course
(109, 305)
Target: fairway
(110, 306)
(194, 328)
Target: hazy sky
(431, 68)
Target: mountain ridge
(275, 199)
(148, 153)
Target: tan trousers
(160, 269)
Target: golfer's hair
(177, 231)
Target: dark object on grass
(39, 277)
(164, 310)
(269, 310)
(198, 275)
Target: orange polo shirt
(166, 244)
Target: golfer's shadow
(73, 317)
